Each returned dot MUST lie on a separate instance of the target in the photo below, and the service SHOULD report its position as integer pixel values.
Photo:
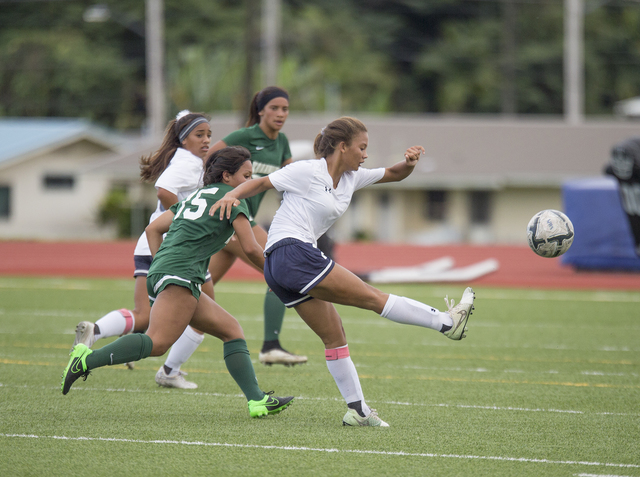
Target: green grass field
(546, 383)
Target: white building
(480, 182)
(43, 191)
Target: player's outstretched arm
(156, 229)
(247, 240)
(402, 169)
(232, 198)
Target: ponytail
(343, 129)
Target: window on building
(436, 205)
(480, 202)
(59, 182)
(5, 202)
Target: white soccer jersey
(310, 204)
(182, 176)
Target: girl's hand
(412, 155)
(225, 205)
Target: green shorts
(156, 282)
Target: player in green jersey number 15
(174, 284)
(270, 151)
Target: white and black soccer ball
(550, 233)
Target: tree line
(344, 56)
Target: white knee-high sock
(411, 312)
(182, 350)
(345, 375)
(115, 323)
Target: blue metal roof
(20, 136)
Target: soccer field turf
(546, 383)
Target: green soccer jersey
(267, 155)
(194, 235)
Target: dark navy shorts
(293, 267)
(143, 262)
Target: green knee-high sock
(236, 357)
(273, 316)
(123, 350)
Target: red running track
(519, 267)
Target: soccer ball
(550, 233)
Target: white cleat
(460, 314)
(177, 381)
(352, 418)
(281, 356)
(85, 334)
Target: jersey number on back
(197, 201)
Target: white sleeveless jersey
(310, 204)
(182, 176)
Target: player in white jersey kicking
(316, 193)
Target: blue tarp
(603, 238)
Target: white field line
(114, 285)
(328, 450)
(490, 370)
(600, 475)
(258, 288)
(336, 399)
(542, 295)
(294, 322)
(487, 371)
(311, 338)
(444, 344)
(371, 320)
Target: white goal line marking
(330, 450)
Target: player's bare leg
(343, 287)
(322, 317)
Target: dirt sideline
(519, 267)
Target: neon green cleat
(352, 418)
(460, 314)
(76, 368)
(268, 405)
